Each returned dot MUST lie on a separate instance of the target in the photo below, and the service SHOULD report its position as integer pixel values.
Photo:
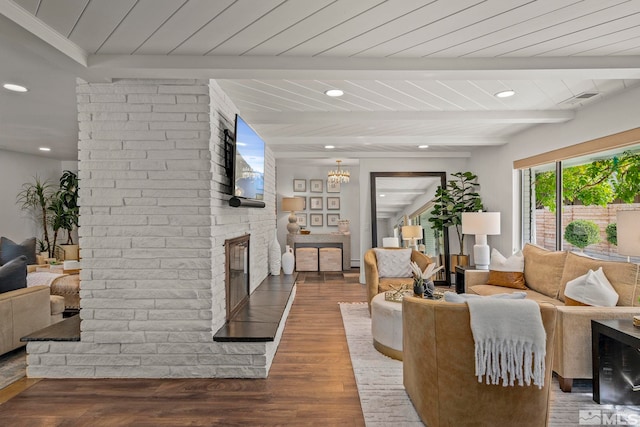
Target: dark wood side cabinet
(460, 269)
(616, 362)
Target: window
(594, 188)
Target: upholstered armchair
(376, 284)
(439, 371)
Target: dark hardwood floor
(311, 382)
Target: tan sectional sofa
(546, 274)
(24, 311)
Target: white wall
(349, 201)
(494, 165)
(15, 170)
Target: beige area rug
(385, 402)
(13, 366)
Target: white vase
(275, 252)
(288, 260)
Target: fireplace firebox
(237, 282)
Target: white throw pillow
(393, 262)
(453, 297)
(499, 263)
(592, 289)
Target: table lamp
(292, 204)
(413, 233)
(481, 224)
(628, 233)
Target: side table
(460, 269)
(616, 362)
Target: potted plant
(35, 198)
(65, 212)
(450, 202)
(582, 233)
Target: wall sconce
(481, 224)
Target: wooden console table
(342, 241)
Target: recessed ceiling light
(45, 149)
(505, 93)
(423, 146)
(14, 88)
(383, 195)
(329, 147)
(333, 92)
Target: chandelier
(339, 175)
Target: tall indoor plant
(35, 198)
(457, 197)
(65, 212)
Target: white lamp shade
(487, 223)
(292, 204)
(411, 232)
(628, 232)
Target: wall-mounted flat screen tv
(249, 162)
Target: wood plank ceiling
(414, 72)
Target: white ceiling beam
(341, 117)
(431, 140)
(340, 68)
(298, 155)
(38, 28)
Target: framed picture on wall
(333, 187)
(302, 219)
(316, 185)
(315, 203)
(304, 206)
(332, 220)
(316, 220)
(333, 203)
(299, 185)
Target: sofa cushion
(543, 269)
(13, 275)
(506, 272)
(393, 262)
(623, 276)
(591, 289)
(10, 250)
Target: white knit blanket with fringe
(510, 341)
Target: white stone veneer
(152, 227)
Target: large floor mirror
(399, 195)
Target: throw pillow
(592, 289)
(623, 276)
(543, 269)
(507, 272)
(453, 297)
(393, 262)
(13, 275)
(10, 250)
